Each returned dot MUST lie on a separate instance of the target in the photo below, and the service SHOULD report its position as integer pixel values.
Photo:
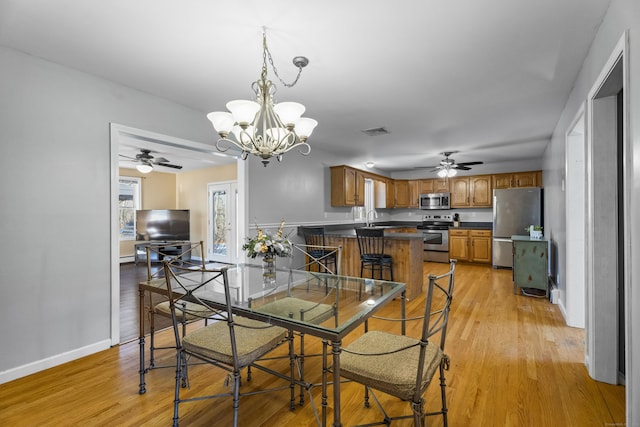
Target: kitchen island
(404, 244)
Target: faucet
(366, 217)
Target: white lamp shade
(442, 173)
(452, 172)
(305, 126)
(144, 168)
(243, 111)
(222, 121)
(289, 112)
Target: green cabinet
(530, 263)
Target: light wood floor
(513, 363)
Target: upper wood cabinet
(518, 179)
(347, 186)
(471, 191)
(415, 186)
(391, 193)
(403, 196)
(440, 185)
(460, 190)
(434, 185)
(481, 191)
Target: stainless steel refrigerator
(514, 209)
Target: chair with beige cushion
(190, 256)
(404, 366)
(230, 342)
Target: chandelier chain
(267, 54)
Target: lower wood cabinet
(470, 245)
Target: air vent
(376, 131)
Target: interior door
(221, 226)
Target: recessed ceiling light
(369, 164)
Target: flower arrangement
(268, 245)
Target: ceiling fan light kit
(448, 167)
(261, 127)
(144, 168)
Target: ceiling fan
(448, 167)
(147, 161)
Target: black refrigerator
(514, 209)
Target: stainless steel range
(435, 229)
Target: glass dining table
(321, 305)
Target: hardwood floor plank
(514, 362)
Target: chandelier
(261, 127)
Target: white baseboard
(49, 362)
(126, 259)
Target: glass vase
(269, 270)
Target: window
(129, 201)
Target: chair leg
(236, 397)
(443, 366)
(292, 369)
(179, 377)
(152, 330)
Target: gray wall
(55, 201)
(622, 15)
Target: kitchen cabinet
(440, 185)
(530, 263)
(414, 193)
(434, 185)
(517, 179)
(470, 245)
(403, 197)
(459, 245)
(480, 250)
(391, 193)
(471, 191)
(347, 186)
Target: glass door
(221, 226)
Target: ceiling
(488, 79)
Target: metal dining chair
(414, 360)
(371, 243)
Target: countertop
(348, 230)
(351, 232)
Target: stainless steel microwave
(435, 201)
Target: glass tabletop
(325, 305)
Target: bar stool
(314, 239)
(372, 256)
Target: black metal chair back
(314, 238)
(371, 243)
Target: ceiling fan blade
(127, 157)
(469, 163)
(159, 160)
(461, 167)
(168, 165)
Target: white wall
(55, 205)
(622, 15)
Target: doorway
(608, 201)
(222, 222)
(194, 151)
